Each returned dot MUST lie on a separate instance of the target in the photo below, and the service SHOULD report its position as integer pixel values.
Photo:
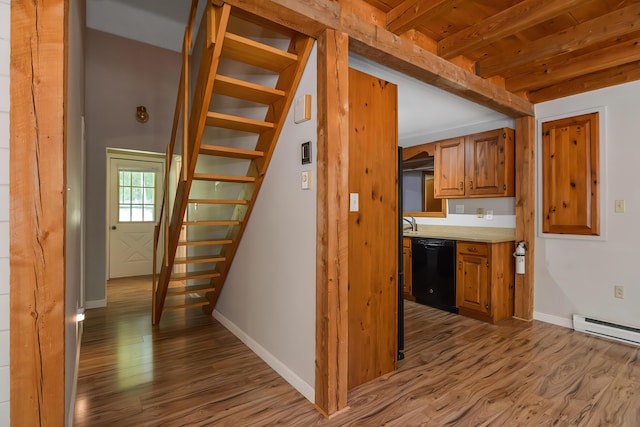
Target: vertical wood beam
(332, 223)
(37, 184)
(525, 212)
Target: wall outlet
(488, 215)
(459, 209)
(480, 212)
(618, 291)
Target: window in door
(136, 196)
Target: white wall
(4, 211)
(75, 199)
(269, 297)
(577, 276)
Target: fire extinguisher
(521, 248)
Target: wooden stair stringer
(276, 114)
(219, 16)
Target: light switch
(306, 180)
(354, 202)
(619, 206)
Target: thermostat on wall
(305, 152)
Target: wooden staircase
(213, 200)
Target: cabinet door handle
(471, 185)
(472, 249)
(461, 187)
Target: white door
(135, 195)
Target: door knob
(113, 227)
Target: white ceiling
(425, 113)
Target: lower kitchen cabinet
(485, 280)
(406, 260)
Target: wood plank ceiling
(539, 50)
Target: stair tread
(187, 303)
(186, 290)
(223, 178)
(205, 242)
(228, 121)
(189, 275)
(248, 91)
(254, 53)
(236, 153)
(211, 223)
(195, 259)
(219, 201)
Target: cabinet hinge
(487, 264)
(504, 187)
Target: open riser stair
(247, 73)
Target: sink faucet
(412, 221)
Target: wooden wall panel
(525, 213)
(37, 191)
(373, 230)
(571, 176)
(332, 223)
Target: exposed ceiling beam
(563, 68)
(580, 36)
(615, 76)
(503, 24)
(408, 13)
(385, 47)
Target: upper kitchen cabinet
(478, 165)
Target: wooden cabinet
(485, 280)
(478, 165)
(406, 260)
(571, 176)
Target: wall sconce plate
(141, 114)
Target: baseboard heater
(601, 328)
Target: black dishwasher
(434, 272)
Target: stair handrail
(181, 110)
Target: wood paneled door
(373, 229)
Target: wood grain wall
(373, 229)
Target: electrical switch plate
(488, 215)
(459, 209)
(480, 213)
(618, 291)
(306, 180)
(354, 202)
(619, 206)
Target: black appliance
(400, 263)
(434, 272)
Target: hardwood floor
(191, 371)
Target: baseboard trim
(555, 320)
(96, 303)
(291, 377)
(74, 388)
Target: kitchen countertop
(472, 234)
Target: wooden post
(37, 192)
(525, 212)
(332, 223)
